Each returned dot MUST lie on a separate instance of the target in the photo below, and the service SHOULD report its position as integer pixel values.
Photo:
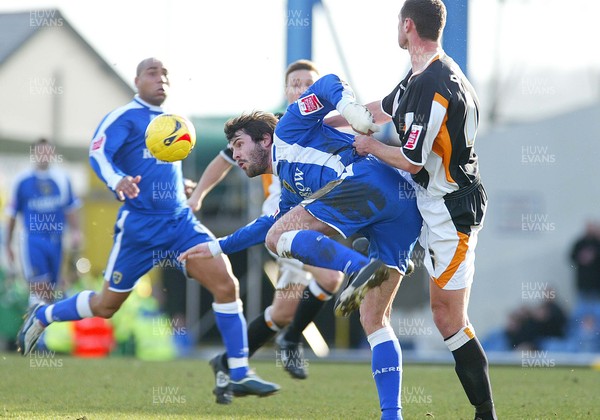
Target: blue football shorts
(373, 199)
(144, 241)
(41, 258)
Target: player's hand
(198, 251)
(362, 144)
(128, 187)
(194, 204)
(189, 186)
(360, 119)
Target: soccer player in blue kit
(328, 189)
(154, 220)
(44, 197)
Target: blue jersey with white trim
(43, 198)
(119, 149)
(306, 152)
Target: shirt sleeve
(107, 141)
(253, 233)
(15, 204)
(387, 103)
(424, 116)
(325, 95)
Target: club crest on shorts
(309, 104)
(117, 277)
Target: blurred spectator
(585, 255)
(528, 327)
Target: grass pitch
(49, 386)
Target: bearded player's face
(252, 157)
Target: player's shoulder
(58, 175)
(130, 111)
(130, 106)
(24, 176)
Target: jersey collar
(439, 54)
(146, 104)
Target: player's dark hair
(255, 124)
(429, 17)
(300, 65)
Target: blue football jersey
(307, 153)
(43, 198)
(119, 148)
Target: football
(170, 137)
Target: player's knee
(281, 318)
(444, 318)
(371, 319)
(271, 240)
(225, 290)
(330, 280)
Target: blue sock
(72, 309)
(232, 325)
(386, 363)
(314, 248)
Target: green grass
(61, 387)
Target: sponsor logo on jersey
(96, 144)
(309, 104)
(303, 190)
(413, 137)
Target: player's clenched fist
(360, 118)
(362, 144)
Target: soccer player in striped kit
(436, 112)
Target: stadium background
(540, 102)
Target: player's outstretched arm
(211, 177)
(253, 233)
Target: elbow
(413, 169)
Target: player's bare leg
(285, 303)
(296, 218)
(217, 276)
(449, 309)
(107, 302)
